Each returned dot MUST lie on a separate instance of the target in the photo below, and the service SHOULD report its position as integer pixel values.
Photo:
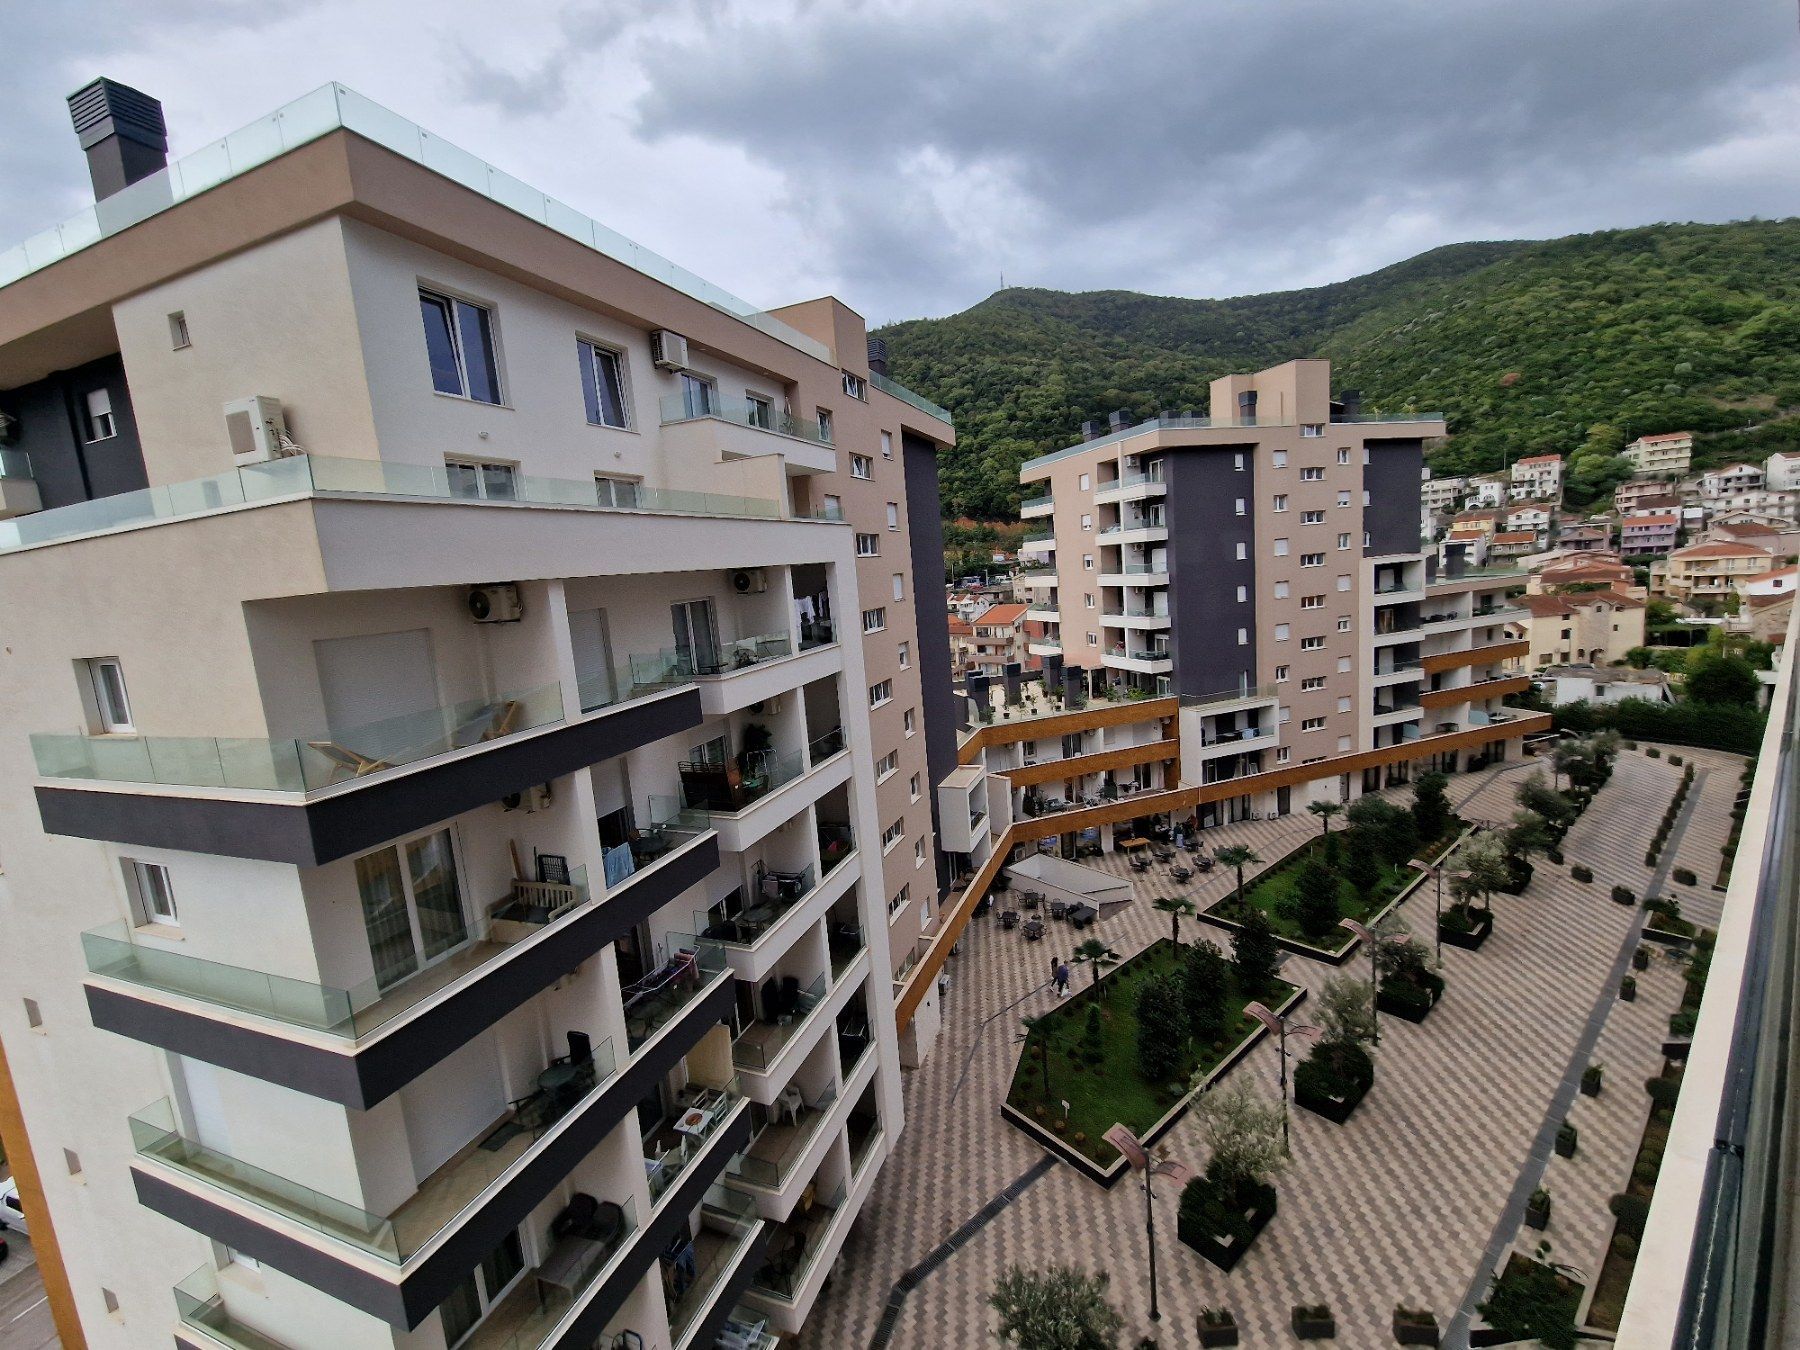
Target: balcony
(692, 969)
(1129, 487)
(905, 395)
(18, 488)
(1037, 543)
(1134, 574)
(1043, 646)
(358, 1046)
(206, 1321)
(1246, 740)
(769, 1161)
(787, 1011)
(1151, 531)
(1043, 614)
(1135, 618)
(1396, 672)
(1036, 577)
(728, 1239)
(1399, 592)
(1151, 661)
(313, 800)
(724, 429)
(1035, 506)
(796, 1245)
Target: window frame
(452, 306)
(105, 709)
(148, 882)
(589, 353)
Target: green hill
(1528, 347)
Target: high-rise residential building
(1239, 621)
(1666, 455)
(481, 735)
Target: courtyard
(1415, 1200)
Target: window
(1243, 594)
(834, 507)
(1281, 632)
(825, 429)
(101, 425)
(1243, 637)
(1343, 665)
(1312, 724)
(1093, 639)
(1280, 502)
(1283, 715)
(912, 787)
(1282, 590)
(1343, 583)
(412, 906)
(1312, 517)
(1237, 461)
(861, 466)
(603, 387)
(899, 585)
(1343, 541)
(874, 620)
(621, 492)
(856, 386)
(1087, 599)
(699, 395)
(1281, 674)
(1344, 703)
(152, 897)
(1281, 548)
(482, 1288)
(759, 410)
(1365, 539)
(919, 861)
(1283, 755)
(881, 693)
(1343, 497)
(1238, 506)
(893, 834)
(901, 896)
(481, 480)
(909, 721)
(887, 766)
(1087, 521)
(1343, 743)
(1278, 459)
(1343, 623)
(1314, 475)
(178, 331)
(1311, 429)
(893, 515)
(1344, 455)
(1312, 559)
(1086, 482)
(107, 679)
(1311, 644)
(1312, 602)
(1243, 550)
(34, 1015)
(887, 445)
(868, 546)
(1087, 562)
(459, 344)
(1313, 682)
(905, 655)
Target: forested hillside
(1566, 345)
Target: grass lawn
(1112, 1091)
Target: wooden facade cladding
(1060, 724)
(1475, 656)
(1055, 770)
(1467, 693)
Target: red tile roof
(1000, 614)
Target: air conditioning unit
(668, 350)
(767, 708)
(257, 430)
(749, 581)
(495, 604)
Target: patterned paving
(1716, 782)
(1396, 1205)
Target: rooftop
(1150, 425)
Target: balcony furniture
(1009, 919)
(696, 1121)
(569, 1261)
(344, 758)
(680, 1269)
(1081, 916)
(1031, 899)
(1059, 909)
(649, 845)
(736, 1335)
(1130, 845)
(1182, 874)
(782, 885)
(788, 1104)
(681, 968)
(1034, 928)
(1163, 855)
(528, 907)
(1140, 864)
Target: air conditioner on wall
(495, 604)
(749, 581)
(767, 708)
(668, 351)
(257, 429)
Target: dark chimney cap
(106, 107)
(1090, 429)
(878, 356)
(1119, 420)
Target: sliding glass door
(412, 906)
(696, 637)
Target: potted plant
(1338, 1073)
(1222, 1211)
(1628, 989)
(1415, 1326)
(1640, 959)
(1566, 1136)
(1217, 1327)
(1314, 1322)
(1590, 1079)
(1537, 1209)
(1409, 989)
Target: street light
(1437, 870)
(1361, 930)
(1276, 1023)
(1121, 1138)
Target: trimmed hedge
(1714, 726)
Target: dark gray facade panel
(1391, 478)
(66, 465)
(925, 543)
(309, 834)
(363, 1078)
(1200, 506)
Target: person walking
(1062, 979)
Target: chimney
(1090, 429)
(122, 131)
(1119, 420)
(878, 357)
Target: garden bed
(1114, 1091)
(1527, 1297)
(1206, 1210)
(1621, 1249)
(1466, 927)
(1410, 1002)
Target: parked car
(12, 1213)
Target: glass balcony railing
(1044, 538)
(699, 1123)
(796, 1247)
(764, 1039)
(532, 1315)
(1033, 503)
(775, 896)
(823, 746)
(299, 765)
(726, 789)
(200, 1306)
(353, 1013)
(846, 943)
(906, 395)
(678, 665)
(1130, 480)
(769, 1159)
(863, 1148)
(691, 969)
(836, 842)
(677, 408)
(728, 1223)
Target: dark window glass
(476, 333)
(608, 406)
(440, 344)
(461, 1311)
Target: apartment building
(1537, 477)
(1781, 472)
(1708, 572)
(1488, 492)
(1584, 627)
(1258, 574)
(1732, 479)
(1442, 494)
(449, 878)
(997, 639)
(1651, 533)
(1667, 455)
(1644, 495)
(1531, 517)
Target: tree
(1531, 1302)
(1037, 1032)
(1205, 980)
(1238, 856)
(1254, 953)
(1431, 806)
(1325, 811)
(1569, 758)
(1529, 833)
(1094, 952)
(1177, 907)
(1346, 1011)
(1161, 1027)
(1316, 898)
(1720, 677)
(1484, 859)
(1243, 1133)
(1062, 1308)
(1535, 794)
(1362, 861)
(1389, 827)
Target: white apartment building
(1487, 493)
(450, 875)
(1442, 494)
(1667, 455)
(1731, 479)
(1781, 472)
(1537, 477)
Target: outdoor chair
(344, 758)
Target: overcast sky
(905, 154)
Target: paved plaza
(1410, 1201)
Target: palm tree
(1325, 811)
(1238, 856)
(1032, 1024)
(1096, 953)
(1177, 907)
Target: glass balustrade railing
(533, 1314)
(836, 842)
(823, 746)
(862, 1149)
(691, 968)
(678, 665)
(792, 1010)
(905, 395)
(698, 1124)
(352, 1013)
(728, 788)
(302, 764)
(845, 942)
(199, 1305)
(796, 1247)
(678, 408)
(770, 899)
(768, 1160)
(1032, 503)
(728, 1223)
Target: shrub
(1581, 873)
(1675, 760)
(1205, 977)
(1631, 1211)
(1625, 1245)
(1628, 989)
(1640, 959)
(1653, 753)
(1682, 1023)
(1554, 855)
(1624, 895)
(1684, 876)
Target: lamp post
(1276, 1023)
(1361, 930)
(1140, 1160)
(1436, 870)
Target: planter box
(1537, 1216)
(1314, 1328)
(1415, 1333)
(1590, 1087)
(1217, 1333)
(1226, 1252)
(1407, 1009)
(1472, 939)
(1565, 1144)
(1335, 1109)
